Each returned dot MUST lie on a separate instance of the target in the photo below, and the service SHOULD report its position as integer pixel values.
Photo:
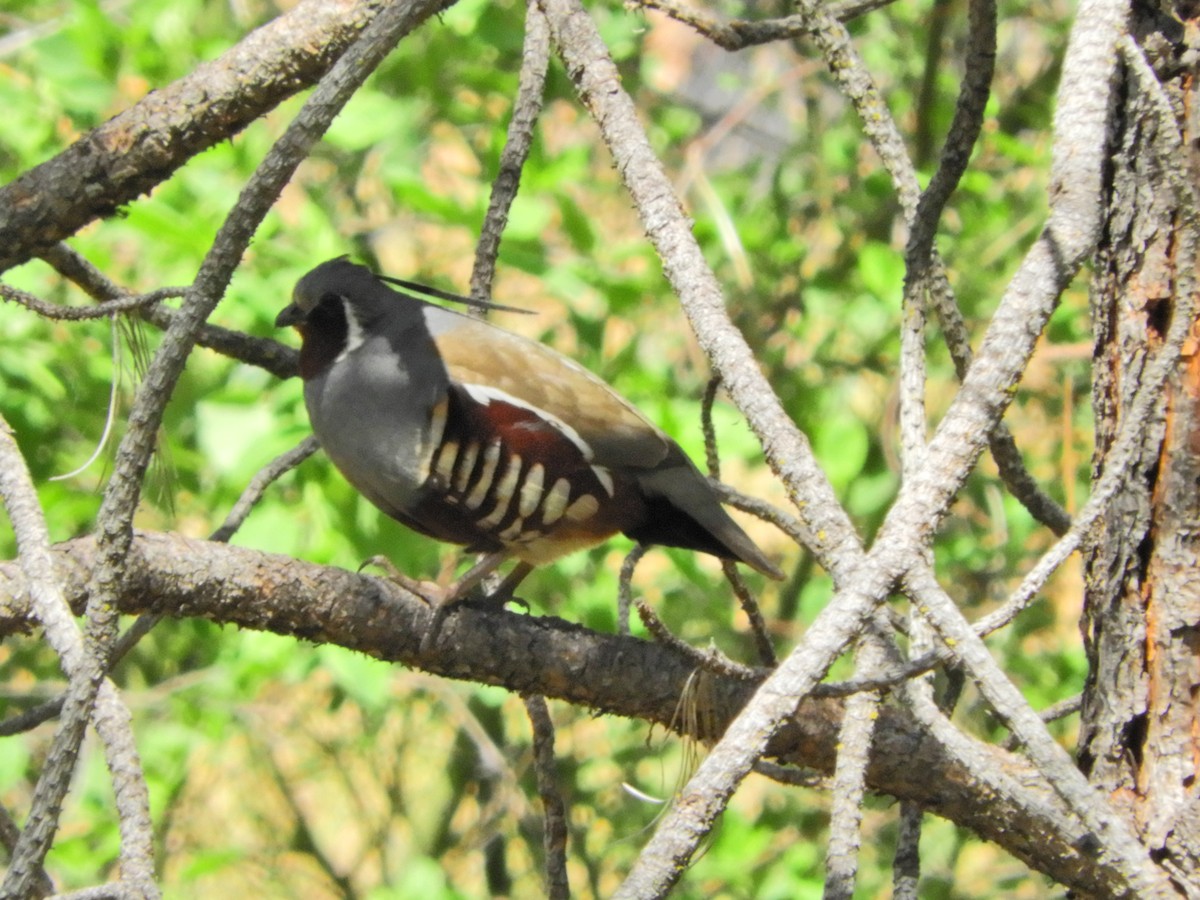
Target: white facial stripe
(354, 332)
(556, 501)
(485, 395)
(491, 458)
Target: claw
(429, 591)
(441, 599)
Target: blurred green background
(292, 770)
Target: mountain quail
(476, 436)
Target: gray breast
(371, 417)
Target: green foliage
(801, 227)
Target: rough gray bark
(1143, 600)
(140, 148)
(1140, 734)
(615, 674)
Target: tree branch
(125, 157)
(278, 359)
(1069, 237)
(124, 488)
(110, 715)
(535, 59)
(175, 576)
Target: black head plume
(423, 291)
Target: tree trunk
(1140, 733)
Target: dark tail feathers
(684, 512)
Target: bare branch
(849, 779)
(786, 449)
(175, 576)
(749, 603)
(111, 717)
(82, 313)
(906, 867)
(1069, 237)
(141, 147)
(276, 358)
(856, 82)
(120, 499)
(1114, 836)
(264, 478)
(42, 886)
(738, 34)
(535, 58)
(711, 660)
(555, 840)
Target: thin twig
(712, 457)
(906, 865)
(711, 660)
(738, 34)
(124, 489)
(555, 809)
(276, 358)
(749, 603)
(850, 779)
(111, 717)
(83, 313)
(923, 218)
(1052, 713)
(790, 775)
(535, 58)
(625, 586)
(264, 478)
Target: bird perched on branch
(476, 436)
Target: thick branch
(128, 155)
(625, 676)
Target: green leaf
(229, 434)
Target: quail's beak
(289, 315)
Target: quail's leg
(504, 592)
(458, 591)
(442, 598)
(438, 593)
(429, 591)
